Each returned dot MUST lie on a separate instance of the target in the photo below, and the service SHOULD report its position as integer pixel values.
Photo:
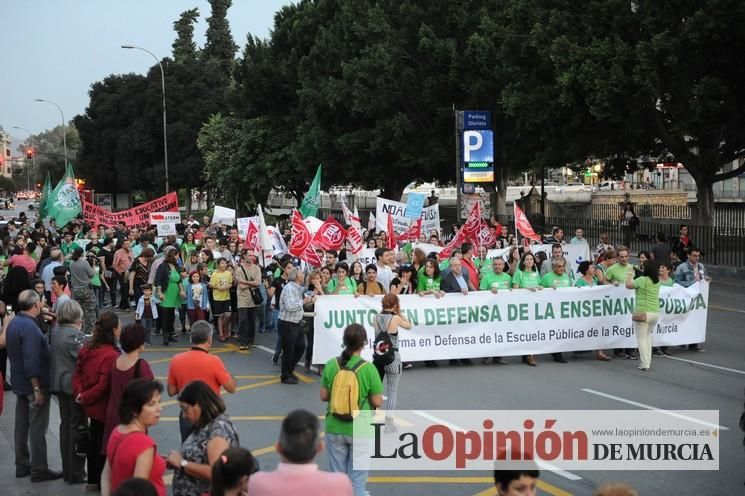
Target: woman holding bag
(389, 321)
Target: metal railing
(720, 245)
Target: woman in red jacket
(91, 387)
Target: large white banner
(430, 216)
(517, 322)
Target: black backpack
(383, 352)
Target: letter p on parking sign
(478, 146)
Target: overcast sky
(55, 49)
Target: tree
(220, 46)
(50, 152)
(120, 133)
(184, 49)
(637, 80)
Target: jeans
(99, 293)
(340, 454)
(167, 318)
(272, 320)
(31, 424)
(293, 346)
(182, 317)
(309, 339)
(247, 325)
(261, 310)
(643, 331)
(71, 416)
(149, 325)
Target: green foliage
(50, 152)
(7, 184)
(184, 49)
(220, 46)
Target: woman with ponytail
(339, 431)
(231, 471)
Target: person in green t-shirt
(588, 278)
(496, 279)
(558, 277)
(527, 275)
(665, 279)
(618, 272)
(342, 284)
(428, 280)
(646, 309)
(339, 433)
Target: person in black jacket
(456, 281)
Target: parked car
(608, 186)
(572, 188)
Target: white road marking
(541, 464)
(650, 407)
(704, 364)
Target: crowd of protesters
(61, 336)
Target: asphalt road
(711, 380)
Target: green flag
(63, 204)
(312, 199)
(45, 192)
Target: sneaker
(290, 380)
(408, 365)
(252, 345)
(632, 356)
(243, 347)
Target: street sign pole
(458, 115)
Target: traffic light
(80, 183)
(29, 153)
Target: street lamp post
(33, 156)
(64, 132)
(163, 88)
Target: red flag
(485, 237)
(522, 225)
(355, 240)
(300, 235)
(331, 235)
(252, 237)
(391, 234)
(473, 222)
(456, 242)
(413, 232)
(300, 244)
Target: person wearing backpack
(349, 383)
(388, 322)
(370, 286)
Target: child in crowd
(197, 298)
(183, 308)
(147, 311)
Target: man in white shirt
(385, 260)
